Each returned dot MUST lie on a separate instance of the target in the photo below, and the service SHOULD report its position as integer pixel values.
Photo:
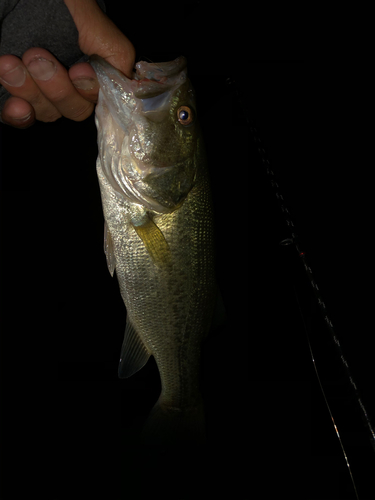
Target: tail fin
(174, 426)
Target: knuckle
(36, 99)
(81, 113)
(51, 117)
(58, 97)
(47, 115)
(45, 111)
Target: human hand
(43, 89)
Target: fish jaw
(148, 156)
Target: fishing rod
(293, 240)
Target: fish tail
(173, 426)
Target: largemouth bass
(158, 233)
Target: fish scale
(169, 307)
(159, 235)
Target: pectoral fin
(109, 250)
(154, 241)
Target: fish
(158, 233)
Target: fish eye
(185, 115)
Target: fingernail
(84, 83)
(24, 118)
(41, 69)
(15, 77)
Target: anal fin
(109, 250)
(134, 354)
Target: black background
(63, 317)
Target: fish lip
(149, 79)
(153, 79)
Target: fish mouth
(149, 89)
(153, 79)
(148, 80)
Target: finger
(18, 82)
(18, 113)
(99, 35)
(54, 82)
(84, 80)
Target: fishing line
(322, 306)
(321, 388)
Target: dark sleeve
(39, 23)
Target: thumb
(99, 35)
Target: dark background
(62, 314)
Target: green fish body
(158, 233)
